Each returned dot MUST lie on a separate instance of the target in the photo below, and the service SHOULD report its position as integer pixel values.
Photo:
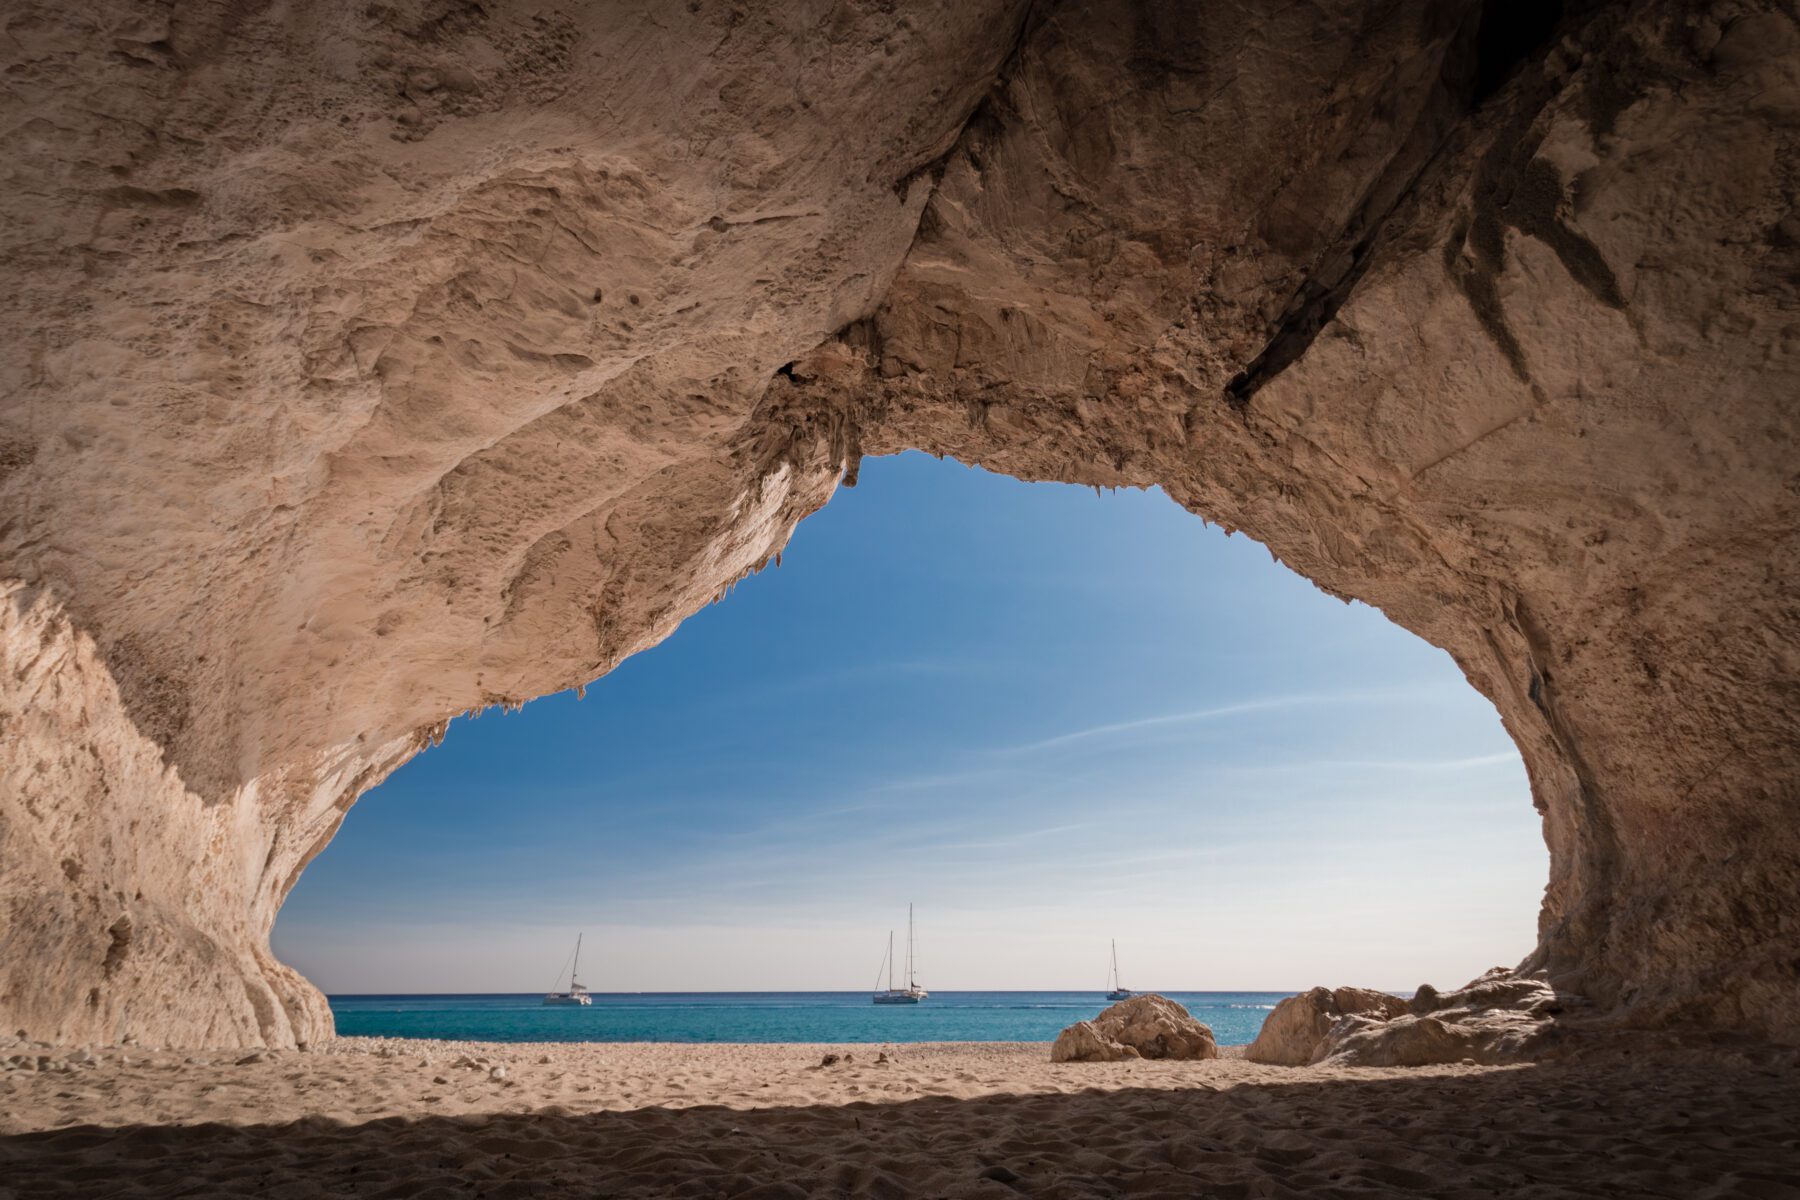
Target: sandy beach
(381, 1118)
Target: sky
(1047, 717)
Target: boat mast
(576, 969)
(910, 981)
(890, 986)
(1115, 947)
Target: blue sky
(1049, 718)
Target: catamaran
(1117, 993)
(576, 995)
(912, 993)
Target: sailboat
(1117, 993)
(912, 993)
(576, 995)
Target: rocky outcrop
(144, 908)
(1295, 1032)
(494, 340)
(1147, 1026)
(1501, 1017)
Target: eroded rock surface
(1147, 1026)
(1081, 1042)
(1504, 1016)
(370, 364)
(1294, 1034)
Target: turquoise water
(1235, 1017)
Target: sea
(1235, 1017)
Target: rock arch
(374, 363)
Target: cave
(372, 364)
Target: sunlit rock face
(1502, 1016)
(1146, 1026)
(373, 363)
(1295, 1032)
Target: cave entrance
(1049, 718)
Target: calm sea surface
(769, 1017)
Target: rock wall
(377, 363)
(134, 907)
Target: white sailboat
(576, 995)
(912, 993)
(1117, 993)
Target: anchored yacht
(1117, 993)
(576, 995)
(912, 993)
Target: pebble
(498, 1074)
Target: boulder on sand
(1148, 1026)
(1081, 1042)
(1295, 1033)
(1501, 1017)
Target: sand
(380, 1118)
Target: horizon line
(867, 991)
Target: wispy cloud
(1439, 764)
(1302, 766)
(1197, 715)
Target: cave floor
(431, 1119)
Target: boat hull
(897, 999)
(567, 1002)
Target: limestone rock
(1295, 1031)
(1500, 988)
(1406, 1042)
(1147, 1026)
(1082, 1042)
(1502, 1016)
